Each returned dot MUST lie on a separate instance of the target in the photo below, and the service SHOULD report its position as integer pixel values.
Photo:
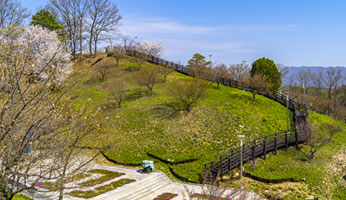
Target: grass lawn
(143, 124)
(323, 174)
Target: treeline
(325, 92)
(83, 24)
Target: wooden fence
(259, 147)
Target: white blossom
(151, 48)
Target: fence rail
(258, 147)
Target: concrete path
(146, 187)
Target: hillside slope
(144, 125)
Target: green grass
(106, 176)
(100, 190)
(144, 125)
(21, 197)
(322, 178)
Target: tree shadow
(92, 80)
(136, 94)
(131, 69)
(168, 110)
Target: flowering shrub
(166, 196)
(37, 51)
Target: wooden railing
(258, 147)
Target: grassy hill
(145, 125)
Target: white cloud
(182, 40)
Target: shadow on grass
(168, 110)
(130, 69)
(92, 80)
(110, 106)
(136, 94)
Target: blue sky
(291, 32)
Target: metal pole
(288, 114)
(241, 160)
(241, 163)
(304, 92)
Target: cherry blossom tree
(39, 129)
(151, 48)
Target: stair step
(149, 190)
(138, 186)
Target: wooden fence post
(229, 161)
(264, 147)
(286, 140)
(220, 168)
(296, 134)
(253, 150)
(275, 143)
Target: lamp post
(304, 92)
(241, 160)
(288, 114)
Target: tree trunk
(80, 36)
(95, 44)
(254, 97)
(91, 40)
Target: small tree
(103, 68)
(267, 67)
(118, 88)
(148, 77)
(332, 128)
(220, 74)
(317, 141)
(239, 71)
(165, 71)
(117, 53)
(257, 83)
(187, 92)
(198, 66)
(151, 48)
(139, 61)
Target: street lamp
(241, 160)
(304, 92)
(288, 114)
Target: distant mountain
(293, 71)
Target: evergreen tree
(267, 68)
(45, 19)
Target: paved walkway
(146, 187)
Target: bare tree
(116, 52)
(139, 60)
(331, 81)
(284, 70)
(148, 77)
(70, 14)
(102, 18)
(257, 83)
(118, 88)
(128, 43)
(35, 121)
(316, 80)
(220, 73)
(165, 71)
(187, 92)
(239, 71)
(12, 13)
(303, 77)
(316, 141)
(102, 68)
(332, 128)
